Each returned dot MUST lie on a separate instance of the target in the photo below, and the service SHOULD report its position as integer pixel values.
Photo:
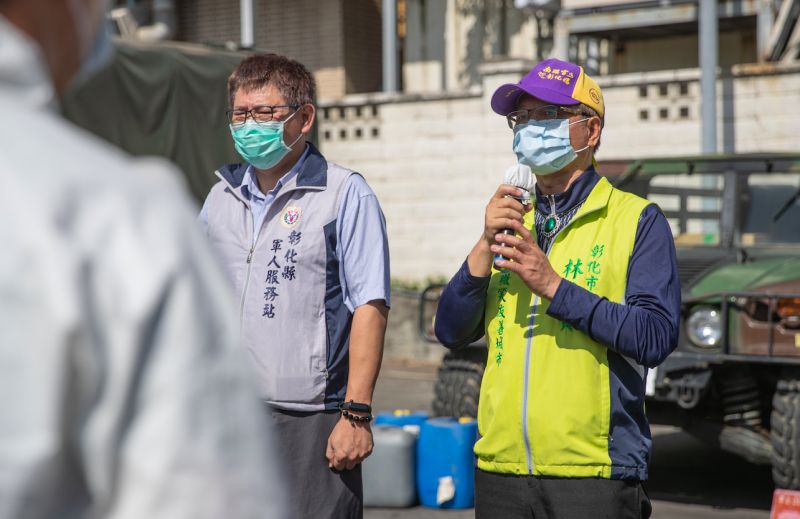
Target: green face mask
(261, 144)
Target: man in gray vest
(303, 242)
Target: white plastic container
(388, 473)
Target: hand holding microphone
(521, 177)
(512, 243)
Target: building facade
(338, 40)
(435, 152)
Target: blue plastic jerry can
(446, 463)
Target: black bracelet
(358, 407)
(356, 418)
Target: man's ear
(308, 113)
(595, 129)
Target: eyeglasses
(259, 114)
(543, 113)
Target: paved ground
(687, 479)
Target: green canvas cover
(166, 99)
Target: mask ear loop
(594, 162)
(301, 133)
(576, 122)
(296, 140)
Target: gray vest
(293, 319)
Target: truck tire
(458, 384)
(754, 446)
(785, 435)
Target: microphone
(518, 175)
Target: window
(327, 135)
(643, 115)
(691, 204)
(359, 133)
(663, 113)
(375, 132)
(643, 91)
(771, 212)
(663, 90)
(342, 133)
(684, 112)
(358, 111)
(374, 110)
(684, 89)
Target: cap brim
(504, 99)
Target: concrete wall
(434, 161)
(403, 340)
(752, 106)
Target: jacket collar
(312, 175)
(574, 195)
(598, 197)
(233, 174)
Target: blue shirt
(364, 275)
(644, 328)
(259, 202)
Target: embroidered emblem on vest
(290, 216)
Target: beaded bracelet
(356, 418)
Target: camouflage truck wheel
(458, 383)
(785, 435)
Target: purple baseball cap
(552, 81)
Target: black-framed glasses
(543, 113)
(259, 114)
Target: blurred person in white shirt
(123, 391)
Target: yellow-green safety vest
(545, 403)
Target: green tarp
(165, 99)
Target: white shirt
(123, 391)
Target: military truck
(734, 379)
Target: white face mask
(545, 146)
(92, 31)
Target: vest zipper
(249, 261)
(529, 342)
(525, 384)
(246, 284)
(249, 267)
